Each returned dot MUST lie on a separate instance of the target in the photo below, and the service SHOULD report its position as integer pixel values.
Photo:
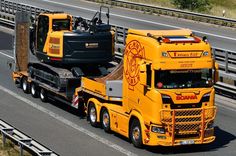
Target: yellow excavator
(53, 39)
(68, 50)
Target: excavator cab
(61, 24)
(54, 42)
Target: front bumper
(184, 127)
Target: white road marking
(141, 20)
(226, 107)
(225, 102)
(69, 123)
(6, 55)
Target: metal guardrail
(225, 58)
(151, 9)
(225, 89)
(23, 141)
(7, 23)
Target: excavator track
(54, 77)
(61, 79)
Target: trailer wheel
(92, 114)
(33, 90)
(43, 95)
(25, 85)
(136, 133)
(18, 83)
(105, 119)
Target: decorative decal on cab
(134, 51)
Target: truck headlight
(206, 97)
(156, 129)
(166, 99)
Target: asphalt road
(220, 37)
(61, 130)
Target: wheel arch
(97, 105)
(135, 115)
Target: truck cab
(168, 78)
(165, 95)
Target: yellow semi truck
(161, 94)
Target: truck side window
(149, 75)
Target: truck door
(42, 31)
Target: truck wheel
(43, 95)
(92, 114)
(25, 85)
(105, 118)
(136, 133)
(33, 90)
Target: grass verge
(217, 6)
(10, 149)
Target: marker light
(204, 39)
(205, 53)
(164, 54)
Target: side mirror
(143, 74)
(216, 72)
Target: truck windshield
(61, 24)
(174, 79)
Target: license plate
(187, 142)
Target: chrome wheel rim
(136, 133)
(105, 119)
(92, 114)
(24, 85)
(42, 96)
(33, 91)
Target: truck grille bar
(187, 122)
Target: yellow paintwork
(182, 32)
(89, 85)
(19, 74)
(153, 49)
(55, 34)
(48, 45)
(145, 102)
(57, 16)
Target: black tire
(136, 134)
(92, 115)
(43, 95)
(25, 85)
(81, 110)
(18, 84)
(105, 120)
(33, 90)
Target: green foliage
(193, 5)
(224, 3)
